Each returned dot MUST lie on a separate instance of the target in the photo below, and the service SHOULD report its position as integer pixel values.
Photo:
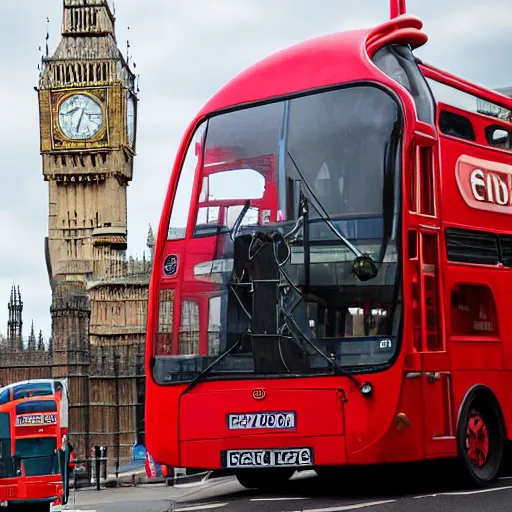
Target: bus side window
(456, 125)
(473, 312)
(499, 137)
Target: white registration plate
(259, 420)
(286, 457)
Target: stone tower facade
(70, 312)
(70, 355)
(87, 105)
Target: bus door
(424, 255)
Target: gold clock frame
(62, 142)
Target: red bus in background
(332, 269)
(34, 445)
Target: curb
(189, 479)
(139, 477)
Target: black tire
(30, 507)
(265, 478)
(480, 440)
(332, 474)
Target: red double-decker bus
(332, 269)
(34, 445)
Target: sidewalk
(158, 497)
(88, 498)
(134, 474)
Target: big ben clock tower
(87, 105)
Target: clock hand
(69, 112)
(80, 121)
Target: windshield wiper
(297, 334)
(239, 220)
(208, 369)
(363, 266)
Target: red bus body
(34, 456)
(443, 391)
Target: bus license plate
(291, 457)
(8, 493)
(258, 420)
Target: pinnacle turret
(15, 321)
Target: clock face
(130, 118)
(80, 117)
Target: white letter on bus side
(490, 195)
(500, 191)
(477, 180)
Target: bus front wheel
(29, 507)
(480, 439)
(268, 478)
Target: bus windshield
(333, 152)
(38, 455)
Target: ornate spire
(88, 35)
(32, 338)
(151, 242)
(15, 322)
(40, 342)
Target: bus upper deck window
(499, 137)
(398, 63)
(32, 389)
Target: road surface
(375, 491)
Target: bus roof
(29, 381)
(334, 59)
(34, 387)
(307, 65)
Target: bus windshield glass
(38, 455)
(294, 191)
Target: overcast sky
(184, 51)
